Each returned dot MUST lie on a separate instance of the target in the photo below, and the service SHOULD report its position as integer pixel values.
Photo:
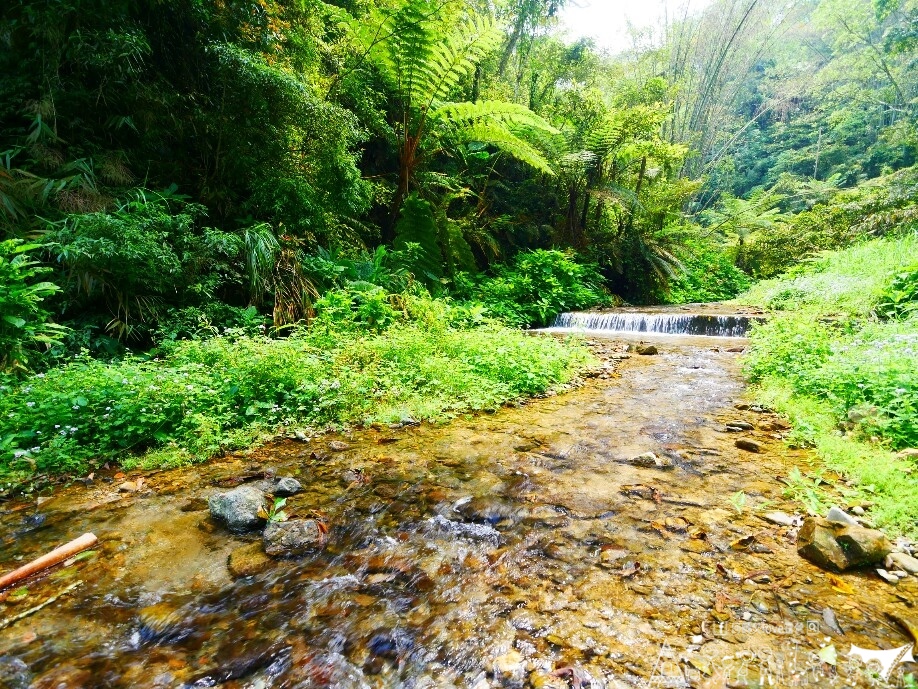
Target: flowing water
(630, 322)
(521, 548)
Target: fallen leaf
(700, 663)
(828, 655)
(840, 585)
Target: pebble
(839, 516)
(338, 446)
(780, 518)
(888, 577)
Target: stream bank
(524, 548)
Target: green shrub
(23, 320)
(537, 286)
(708, 275)
(900, 299)
(206, 395)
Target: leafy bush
(707, 275)
(900, 298)
(536, 287)
(23, 321)
(882, 207)
(206, 395)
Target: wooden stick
(31, 611)
(55, 557)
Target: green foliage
(900, 298)
(203, 396)
(416, 233)
(881, 207)
(24, 321)
(537, 286)
(848, 381)
(707, 274)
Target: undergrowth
(378, 358)
(838, 356)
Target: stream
(522, 548)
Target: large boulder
(238, 508)
(294, 537)
(839, 546)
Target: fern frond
(496, 135)
(509, 114)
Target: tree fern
(424, 51)
(416, 234)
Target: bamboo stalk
(55, 557)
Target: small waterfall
(626, 322)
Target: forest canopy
(172, 168)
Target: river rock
(646, 350)
(649, 460)
(509, 666)
(748, 445)
(295, 537)
(14, 673)
(248, 560)
(238, 508)
(338, 446)
(163, 623)
(287, 485)
(839, 516)
(903, 562)
(487, 510)
(887, 577)
(838, 547)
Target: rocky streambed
(635, 532)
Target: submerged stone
(748, 445)
(238, 508)
(247, 560)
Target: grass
(846, 377)
(203, 397)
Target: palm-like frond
(421, 62)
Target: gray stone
(887, 577)
(238, 508)
(338, 446)
(740, 426)
(295, 537)
(839, 516)
(287, 486)
(838, 547)
(902, 561)
(780, 518)
(646, 350)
